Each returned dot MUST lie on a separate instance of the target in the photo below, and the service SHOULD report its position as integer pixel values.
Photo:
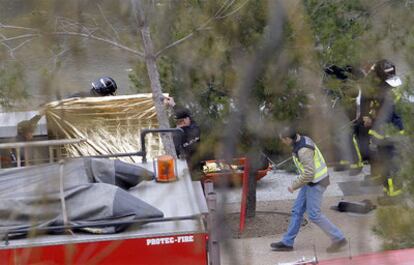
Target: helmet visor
(394, 81)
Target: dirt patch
(265, 223)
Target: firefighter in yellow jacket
(385, 126)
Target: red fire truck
(182, 236)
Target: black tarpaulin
(94, 190)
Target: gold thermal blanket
(110, 124)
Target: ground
(267, 222)
(273, 207)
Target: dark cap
(181, 113)
(288, 132)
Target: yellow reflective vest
(321, 170)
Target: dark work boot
(372, 180)
(336, 246)
(388, 200)
(280, 246)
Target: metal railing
(25, 146)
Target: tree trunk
(150, 61)
(254, 157)
(271, 44)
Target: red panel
(395, 257)
(182, 249)
(235, 177)
(245, 190)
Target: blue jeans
(309, 199)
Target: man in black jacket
(186, 143)
(188, 139)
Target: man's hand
(169, 101)
(290, 189)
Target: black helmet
(104, 86)
(338, 72)
(385, 69)
(343, 73)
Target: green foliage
(395, 33)
(338, 26)
(201, 72)
(12, 85)
(395, 226)
(288, 102)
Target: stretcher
(180, 236)
(220, 170)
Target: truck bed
(181, 198)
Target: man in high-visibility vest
(312, 181)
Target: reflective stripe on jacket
(380, 136)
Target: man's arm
(178, 139)
(305, 156)
(387, 114)
(192, 138)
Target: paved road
(274, 186)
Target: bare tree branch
(66, 24)
(218, 15)
(22, 44)
(21, 37)
(64, 27)
(93, 37)
(10, 49)
(107, 22)
(224, 7)
(15, 27)
(234, 11)
(175, 43)
(6, 40)
(6, 45)
(56, 56)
